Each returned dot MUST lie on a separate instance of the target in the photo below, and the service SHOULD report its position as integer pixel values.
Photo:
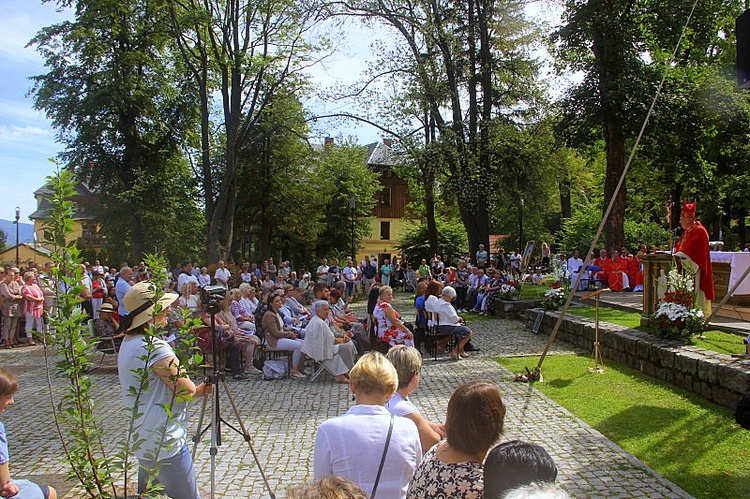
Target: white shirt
(351, 446)
(222, 275)
(574, 264)
(184, 278)
(153, 420)
(447, 313)
(350, 274)
(400, 406)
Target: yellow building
(27, 252)
(388, 223)
(85, 228)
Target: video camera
(212, 296)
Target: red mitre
(688, 209)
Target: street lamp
(18, 217)
(520, 225)
(352, 207)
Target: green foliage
(452, 241)
(654, 421)
(578, 232)
(340, 174)
(3, 239)
(121, 105)
(76, 421)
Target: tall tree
(467, 64)
(120, 105)
(622, 47)
(249, 51)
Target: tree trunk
(565, 204)
(614, 227)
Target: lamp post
(18, 217)
(520, 225)
(352, 207)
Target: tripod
(216, 378)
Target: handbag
(382, 459)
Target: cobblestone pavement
(282, 417)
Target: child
(16, 488)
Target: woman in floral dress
(390, 327)
(473, 424)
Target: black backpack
(260, 311)
(742, 415)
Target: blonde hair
(374, 374)
(329, 487)
(407, 361)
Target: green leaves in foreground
(691, 442)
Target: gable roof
(82, 198)
(382, 154)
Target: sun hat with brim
(140, 300)
(107, 307)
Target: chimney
(388, 142)
(328, 141)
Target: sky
(27, 140)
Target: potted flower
(676, 318)
(508, 291)
(553, 299)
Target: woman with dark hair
(280, 338)
(453, 468)
(515, 463)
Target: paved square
(282, 416)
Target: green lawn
(690, 441)
(716, 341)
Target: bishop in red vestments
(692, 252)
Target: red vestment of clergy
(601, 275)
(635, 274)
(694, 243)
(614, 270)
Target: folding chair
(105, 344)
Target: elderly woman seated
(336, 354)
(451, 323)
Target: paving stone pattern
(282, 417)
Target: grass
(691, 442)
(716, 341)
(531, 292)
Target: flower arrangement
(553, 299)
(509, 290)
(676, 318)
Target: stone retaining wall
(514, 309)
(717, 377)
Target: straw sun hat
(140, 300)
(107, 307)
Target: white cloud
(13, 133)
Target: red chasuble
(694, 243)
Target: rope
(587, 261)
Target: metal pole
(18, 217)
(352, 207)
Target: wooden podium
(655, 263)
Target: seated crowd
(383, 446)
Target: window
(385, 230)
(385, 196)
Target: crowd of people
(383, 446)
